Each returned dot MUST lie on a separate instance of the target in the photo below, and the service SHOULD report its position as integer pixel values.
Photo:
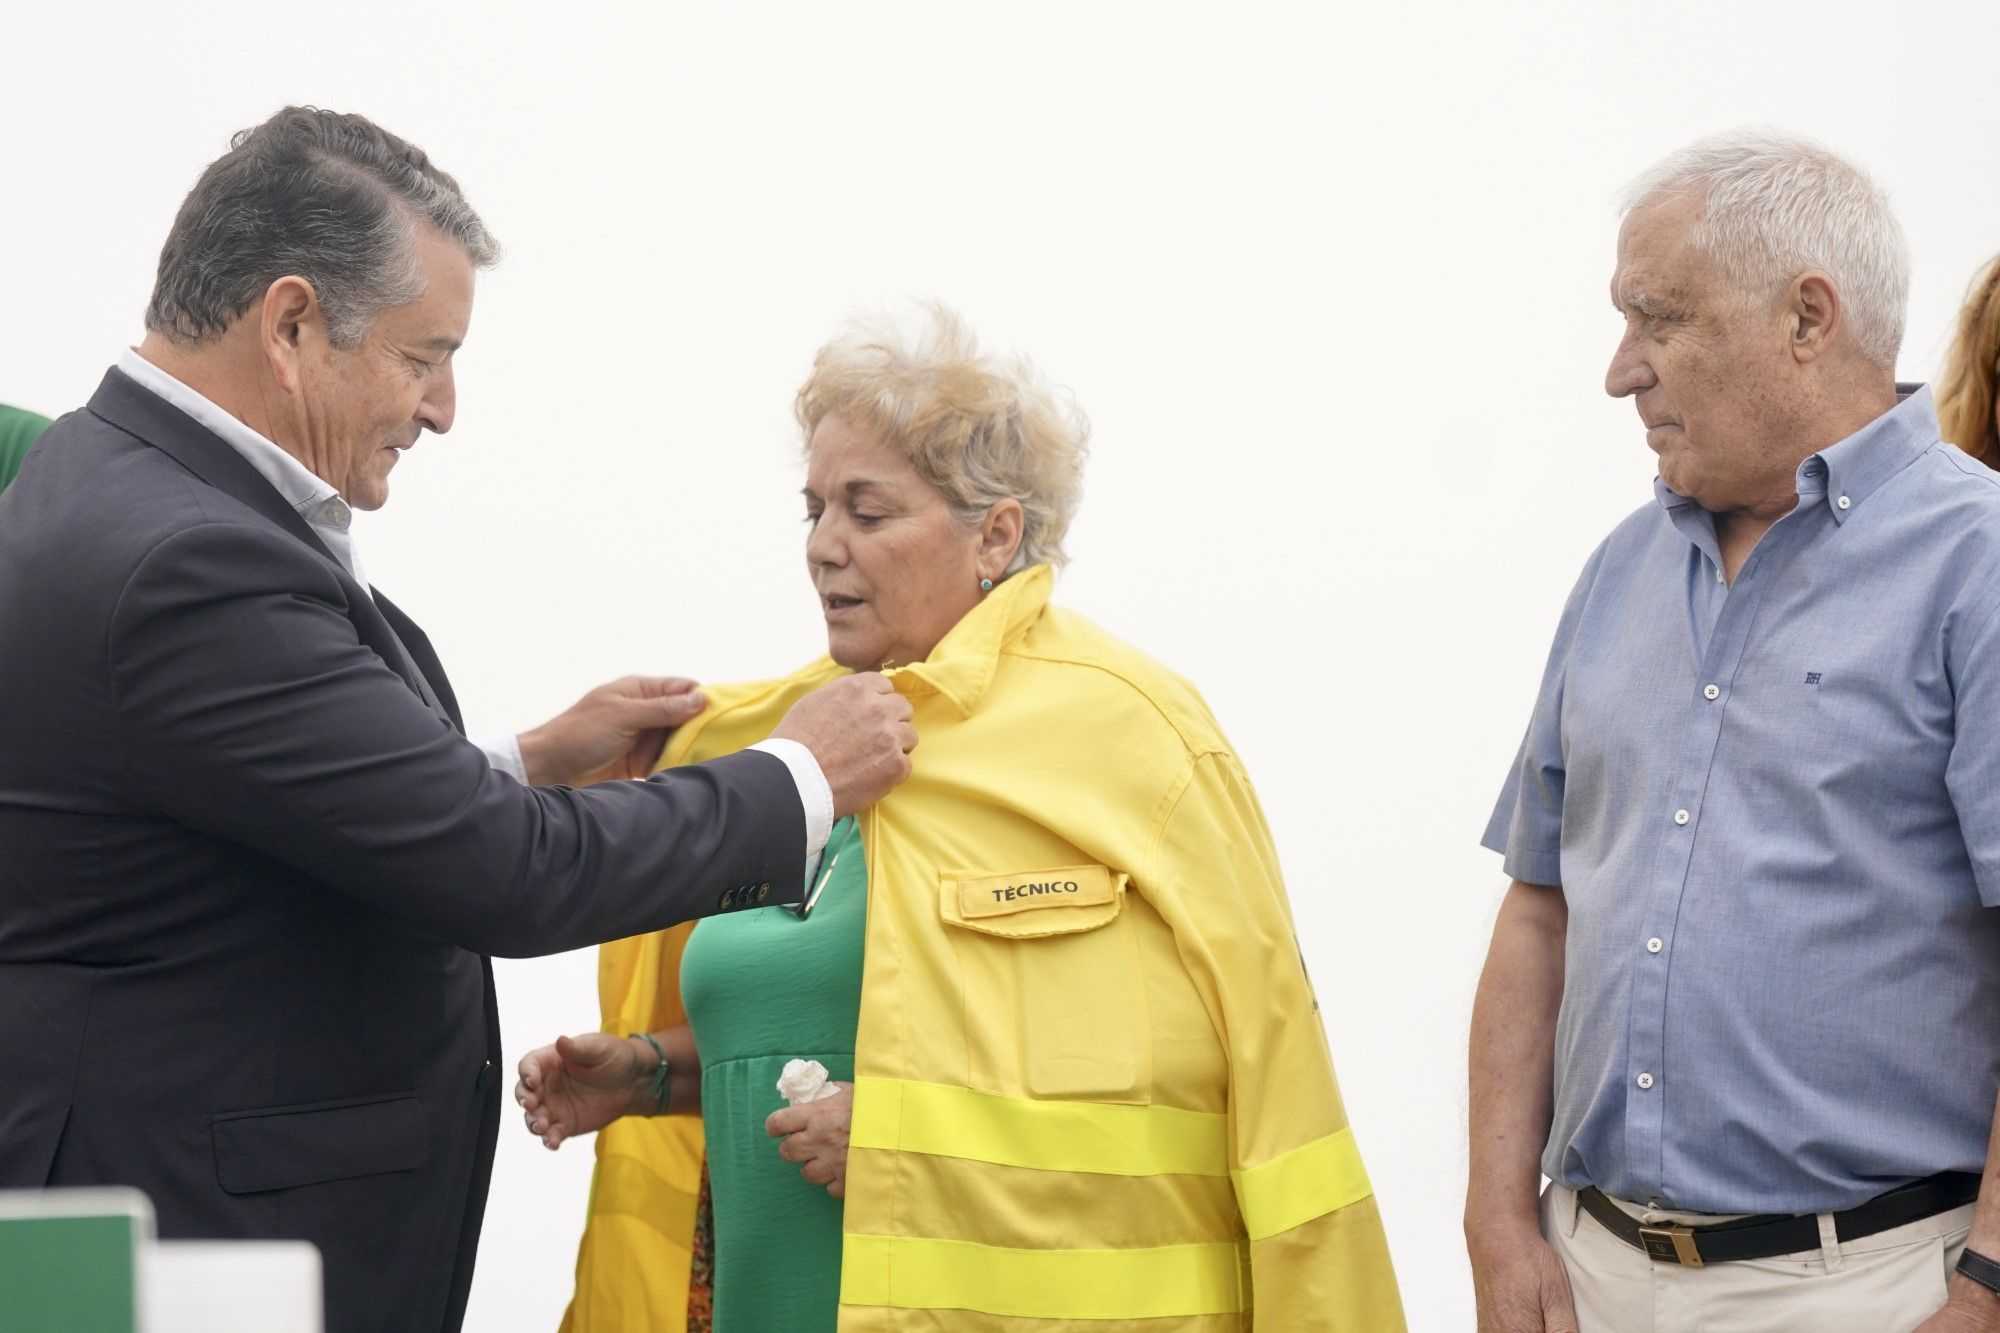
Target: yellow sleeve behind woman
(632, 1263)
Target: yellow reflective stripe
(1095, 1137)
(922, 1274)
(1305, 1183)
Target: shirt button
(1680, 816)
(1655, 944)
(1711, 692)
(1844, 503)
(1645, 1081)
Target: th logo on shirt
(1812, 677)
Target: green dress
(763, 987)
(18, 430)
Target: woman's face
(893, 565)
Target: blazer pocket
(1054, 996)
(282, 1147)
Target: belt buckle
(1670, 1245)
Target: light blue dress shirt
(1774, 811)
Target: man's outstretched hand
(615, 731)
(859, 730)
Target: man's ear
(1813, 316)
(288, 323)
(999, 537)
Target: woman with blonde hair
(1078, 1072)
(1966, 402)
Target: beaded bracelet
(659, 1083)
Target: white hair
(1779, 205)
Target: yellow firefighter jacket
(1091, 1081)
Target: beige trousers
(1886, 1283)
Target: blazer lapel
(423, 660)
(140, 412)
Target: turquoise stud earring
(986, 585)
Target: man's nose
(1628, 373)
(440, 402)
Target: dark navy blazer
(250, 868)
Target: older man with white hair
(1739, 1004)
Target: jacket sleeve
(253, 713)
(1319, 1259)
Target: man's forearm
(1975, 1305)
(1512, 1064)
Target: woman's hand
(815, 1136)
(579, 1085)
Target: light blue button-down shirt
(1774, 811)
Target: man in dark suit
(249, 866)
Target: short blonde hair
(980, 428)
(1965, 391)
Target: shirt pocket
(1053, 992)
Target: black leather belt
(1770, 1234)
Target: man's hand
(815, 1136)
(1520, 1282)
(615, 731)
(1521, 1287)
(579, 1085)
(1970, 1308)
(859, 730)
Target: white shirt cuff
(504, 753)
(814, 793)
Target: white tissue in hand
(805, 1081)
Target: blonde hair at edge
(1965, 390)
(979, 427)
(1778, 205)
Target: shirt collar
(317, 501)
(1855, 468)
(961, 667)
(1844, 474)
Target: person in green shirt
(18, 429)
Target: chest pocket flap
(1029, 904)
(1054, 1003)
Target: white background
(1330, 281)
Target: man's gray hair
(328, 197)
(1778, 205)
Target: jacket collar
(961, 667)
(138, 411)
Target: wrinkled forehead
(844, 453)
(1656, 252)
